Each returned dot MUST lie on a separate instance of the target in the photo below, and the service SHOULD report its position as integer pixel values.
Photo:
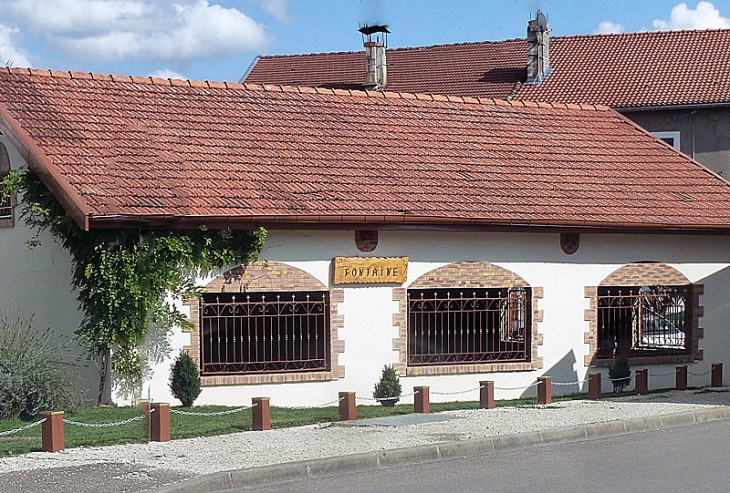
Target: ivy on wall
(124, 276)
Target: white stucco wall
(36, 282)
(368, 310)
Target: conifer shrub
(185, 379)
(36, 371)
(388, 389)
(620, 373)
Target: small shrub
(388, 389)
(35, 371)
(185, 379)
(619, 373)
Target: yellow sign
(370, 270)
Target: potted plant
(619, 373)
(388, 389)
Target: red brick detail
(270, 277)
(464, 275)
(645, 274)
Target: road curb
(373, 460)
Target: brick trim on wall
(270, 277)
(645, 274)
(464, 275)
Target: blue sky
(218, 39)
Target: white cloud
(705, 16)
(608, 27)
(140, 30)
(10, 53)
(277, 8)
(167, 74)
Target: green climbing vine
(124, 276)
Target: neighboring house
(459, 240)
(673, 83)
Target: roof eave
(42, 167)
(396, 222)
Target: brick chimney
(538, 50)
(376, 75)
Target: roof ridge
(495, 42)
(248, 86)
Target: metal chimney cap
(368, 30)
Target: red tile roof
(122, 150)
(618, 70)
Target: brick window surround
(269, 277)
(467, 275)
(645, 274)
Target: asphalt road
(687, 458)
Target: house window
(671, 138)
(456, 326)
(643, 321)
(6, 201)
(265, 332)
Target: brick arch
(465, 275)
(266, 277)
(270, 277)
(469, 275)
(645, 274)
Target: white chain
(336, 401)
(26, 427)
(569, 383)
(105, 425)
(518, 388)
(219, 413)
(662, 374)
(700, 374)
(458, 391)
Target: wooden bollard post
(545, 390)
(486, 395)
(681, 378)
(641, 387)
(348, 408)
(145, 405)
(52, 431)
(594, 386)
(421, 403)
(261, 414)
(716, 380)
(160, 422)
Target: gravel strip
(198, 456)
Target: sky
(218, 39)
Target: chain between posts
(219, 413)
(381, 399)
(458, 391)
(663, 374)
(106, 425)
(699, 374)
(22, 428)
(535, 384)
(336, 401)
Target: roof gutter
(390, 222)
(695, 106)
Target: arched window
(6, 201)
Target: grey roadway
(692, 458)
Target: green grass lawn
(183, 426)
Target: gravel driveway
(137, 467)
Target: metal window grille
(265, 332)
(450, 326)
(6, 205)
(643, 320)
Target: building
(457, 238)
(672, 83)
